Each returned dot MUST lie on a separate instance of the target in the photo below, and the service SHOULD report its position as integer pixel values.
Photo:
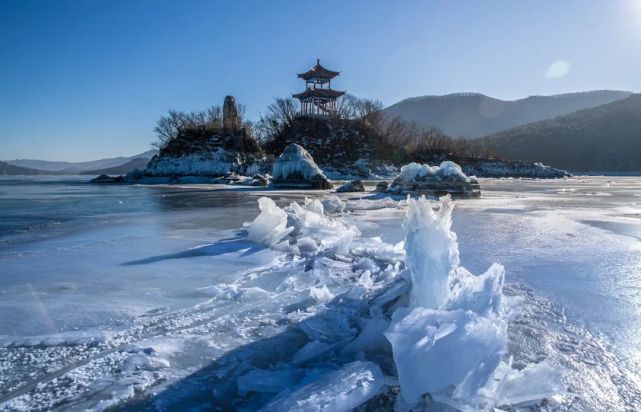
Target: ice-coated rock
(108, 179)
(295, 168)
(445, 178)
(353, 186)
(502, 168)
(215, 163)
(259, 180)
(381, 187)
(335, 391)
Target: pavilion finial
(317, 61)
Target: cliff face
(218, 154)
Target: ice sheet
(172, 269)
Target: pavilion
(318, 99)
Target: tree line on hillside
(391, 139)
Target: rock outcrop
(516, 169)
(106, 179)
(230, 114)
(381, 187)
(295, 168)
(447, 178)
(497, 168)
(353, 186)
(208, 150)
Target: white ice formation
(295, 168)
(340, 390)
(306, 227)
(455, 326)
(270, 226)
(444, 328)
(448, 177)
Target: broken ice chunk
(482, 294)
(435, 350)
(321, 294)
(340, 390)
(310, 351)
(532, 384)
(270, 226)
(271, 381)
(333, 204)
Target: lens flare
(558, 69)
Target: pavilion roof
(318, 72)
(327, 93)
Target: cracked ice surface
(212, 318)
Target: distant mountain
(79, 167)
(136, 163)
(11, 170)
(473, 115)
(603, 138)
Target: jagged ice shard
(447, 327)
(450, 341)
(431, 251)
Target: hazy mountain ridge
(602, 138)
(7, 169)
(474, 115)
(135, 163)
(79, 167)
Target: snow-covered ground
(156, 297)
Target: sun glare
(558, 69)
(635, 13)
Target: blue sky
(81, 80)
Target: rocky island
(210, 146)
(326, 135)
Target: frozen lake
(117, 293)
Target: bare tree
(170, 127)
(280, 114)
